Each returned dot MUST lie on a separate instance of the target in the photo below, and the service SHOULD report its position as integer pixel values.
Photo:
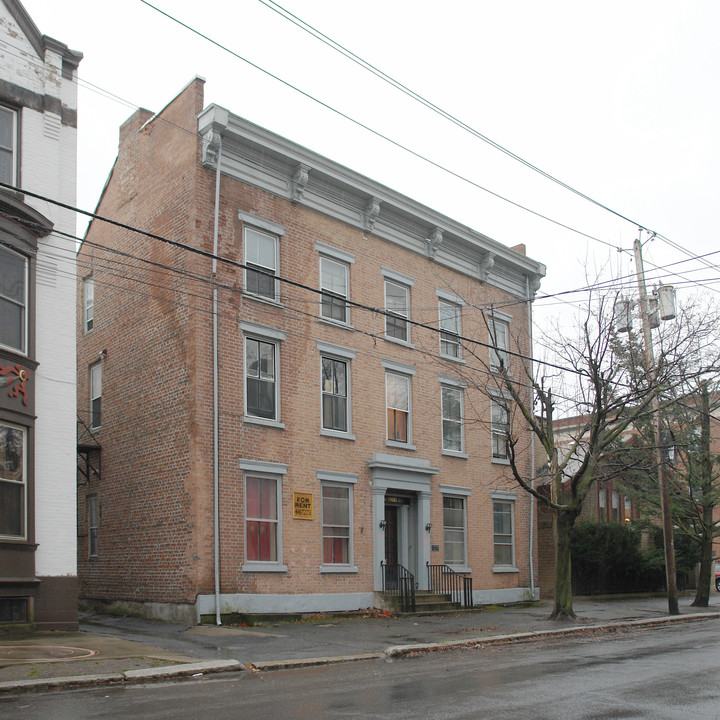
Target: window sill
(336, 323)
(262, 299)
(264, 567)
(505, 569)
(336, 434)
(400, 445)
(452, 358)
(500, 461)
(329, 569)
(455, 453)
(397, 341)
(262, 421)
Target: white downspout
(216, 404)
(532, 450)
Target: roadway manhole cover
(42, 653)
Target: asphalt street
(669, 672)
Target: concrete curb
(400, 650)
(207, 667)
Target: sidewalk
(114, 650)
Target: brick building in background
(38, 130)
(272, 454)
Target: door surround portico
(395, 473)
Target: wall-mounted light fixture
(428, 527)
(383, 523)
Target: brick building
(38, 129)
(259, 445)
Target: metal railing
(443, 580)
(399, 582)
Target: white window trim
(397, 277)
(503, 320)
(267, 227)
(14, 149)
(274, 337)
(344, 480)
(449, 451)
(450, 297)
(335, 256)
(497, 399)
(505, 497)
(454, 358)
(26, 309)
(389, 338)
(408, 372)
(463, 495)
(24, 483)
(252, 566)
(88, 282)
(98, 365)
(334, 253)
(344, 356)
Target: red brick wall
(155, 495)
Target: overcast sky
(617, 99)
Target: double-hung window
(336, 524)
(397, 400)
(8, 140)
(499, 342)
(262, 373)
(454, 530)
(334, 287)
(261, 378)
(89, 297)
(334, 394)
(261, 256)
(92, 518)
(13, 300)
(450, 329)
(500, 429)
(503, 530)
(397, 307)
(13, 481)
(261, 518)
(452, 418)
(96, 394)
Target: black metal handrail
(443, 580)
(399, 582)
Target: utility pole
(669, 542)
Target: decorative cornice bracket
(212, 141)
(486, 265)
(299, 182)
(433, 242)
(372, 210)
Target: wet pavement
(113, 650)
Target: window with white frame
(397, 305)
(261, 385)
(602, 503)
(8, 141)
(334, 286)
(503, 533)
(454, 530)
(13, 481)
(334, 383)
(499, 343)
(337, 524)
(89, 295)
(397, 400)
(615, 506)
(261, 263)
(500, 428)
(96, 394)
(262, 518)
(628, 509)
(452, 418)
(13, 300)
(92, 518)
(450, 330)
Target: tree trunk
(563, 609)
(706, 575)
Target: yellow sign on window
(302, 506)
